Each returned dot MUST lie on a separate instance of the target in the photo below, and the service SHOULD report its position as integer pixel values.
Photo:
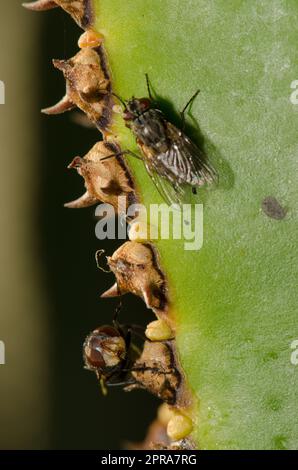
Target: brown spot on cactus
(108, 181)
(136, 268)
(87, 86)
(80, 10)
(156, 371)
(272, 208)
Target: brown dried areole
(156, 371)
(88, 86)
(80, 10)
(136, 268)
(106, 181)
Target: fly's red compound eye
(104, 349)
(92, 352)
(107, 332)
(145, 103)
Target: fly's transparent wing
(172, 194)
(185, 160)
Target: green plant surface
(234, 301)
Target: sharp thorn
(60, 64)
(40, 5)
(147, 295)
(84, 201)
(76, 163)
(65, 104)
(112, 292)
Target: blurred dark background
(50, 285)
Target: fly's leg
(156, 370)
(129, 152)
(130, 329)
(137, 330)
(188, 105)
(124, 383)
(116, 315)
(125, 152)
(125, 330)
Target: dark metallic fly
(172, 160)
(105, 352)
(109, 353)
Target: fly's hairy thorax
(150, 130)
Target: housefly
(172, 160)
